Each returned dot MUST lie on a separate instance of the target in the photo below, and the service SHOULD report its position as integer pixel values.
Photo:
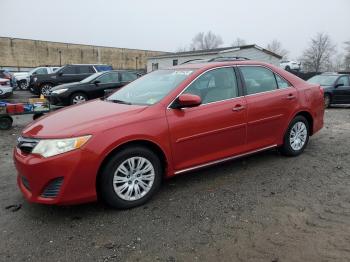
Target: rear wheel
(45, 89)
(327, 100)
(296, 137)
(5, 122)
(130, 177)
(78, 98)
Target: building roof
(216, 51)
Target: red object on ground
(14, 108)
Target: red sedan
(165, 123)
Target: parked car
(6, 89)
(336, 87)
(42, 84)
(8, 75)
(23, 78)
(91, 87)
(290, 65)
(165, 123)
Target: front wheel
(23, 85)
(78, 98)
(296, 137)
(130, 177)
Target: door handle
(290, 97)
(238, 108)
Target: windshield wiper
(119, 101)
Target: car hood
(65, 86)
(83, 119)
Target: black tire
(74, 97)
(45, 89)
(5, 122)
(23, 85)
(287, 149)
(105, 182)
(37, 115)
(287, 68)
(327, 100)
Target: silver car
(6, 89)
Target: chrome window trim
(273, 72)
(214, 68)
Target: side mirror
(96, 82)
(35, 73)
(187, 100)
(337, 85)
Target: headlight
(59, 91)
(35, 79)
(52, 147)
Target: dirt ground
(262, 208)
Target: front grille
(53, 188)
(26, 144)
(25, 182)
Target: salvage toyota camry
(165, 123)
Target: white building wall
(251, 53)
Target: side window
(258, 79)
(41, 71)
(69, 70)
(281, 82)
(111, 77)
(344, 80)
(128, 77)
(85, 70)
(215, 85)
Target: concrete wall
(251, 53)
(24, 53)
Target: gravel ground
(262, 208)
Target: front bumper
(65, 179)
(58, 100)
(5, 91)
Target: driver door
(214, 130)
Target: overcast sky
(167, 25)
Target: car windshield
(90, 78)
(323, 80)
(150, 88)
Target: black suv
(336, 87)
(94, 86)
(42, 83)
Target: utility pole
(60, 53)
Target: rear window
(100, 68)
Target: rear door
(214, 130)
(127, 77)
(341, 94)
(270, 102)
(83, 71)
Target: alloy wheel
(298, 136)
(79, 99)
(133, 178)
(46, 89)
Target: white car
(290, 65)
(23, 78)
(6, 89)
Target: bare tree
(239, 42)
(181, 49)
(276, 47)
(207, 40)
(319, 54)
(347, 56)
